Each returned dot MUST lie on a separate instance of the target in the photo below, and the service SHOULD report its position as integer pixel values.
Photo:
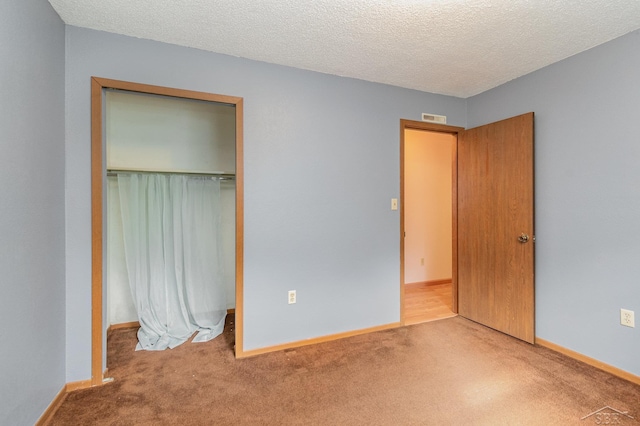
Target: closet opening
(167, 207)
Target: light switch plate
(394, 204)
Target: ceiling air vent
(433, 118)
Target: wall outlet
(627, 318)
(292, 297)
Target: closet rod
(221, 175)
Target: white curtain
(171, 230)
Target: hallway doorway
(428, 179)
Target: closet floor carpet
(451, 371)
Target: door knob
(523, 238)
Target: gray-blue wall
(587, 136)
(321, 165)
(32, 349)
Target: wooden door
(495, 226)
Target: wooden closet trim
(97, 196)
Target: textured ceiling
(452, 47)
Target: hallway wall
(428, 216)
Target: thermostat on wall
(433, 118)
